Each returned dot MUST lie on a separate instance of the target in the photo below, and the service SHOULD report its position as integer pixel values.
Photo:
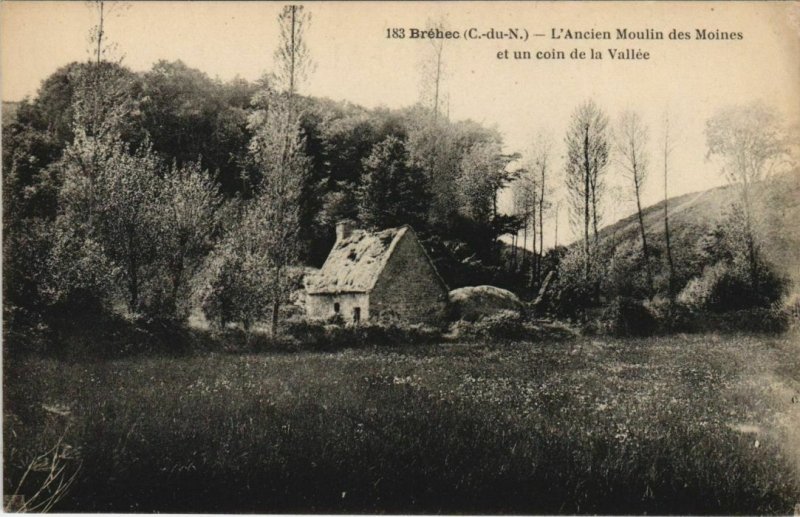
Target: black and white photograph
(426, 257)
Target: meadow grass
(682, 424)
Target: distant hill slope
(691, 216)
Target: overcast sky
(356, 62)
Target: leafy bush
(627, 317)
(755, 319)
(626, 271)
(26, 253)
(501, 326)
(317, 335)
(678, 317)
(335, 319)
(79, 277)
(574, 294)
(234, 291)
(672, 316)
(728, 286)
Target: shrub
(728, 286)
(626, 271)
(501, 326)
(673, 316)
(320, 335)
(79, 277)
(573, 294)
(236, 340)
(677, 317)
(335, 319)
(756, 319)
(627, 317)
(232, 290)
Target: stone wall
(321, 306)
(409, 288)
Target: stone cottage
(376, 275)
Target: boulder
(477, 302)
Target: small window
(336, 307)
(356, 314)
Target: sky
(355, 61)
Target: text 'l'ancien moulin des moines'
(622, 44)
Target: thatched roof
(355, 262)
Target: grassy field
(682, 424)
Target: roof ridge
(401, 231)
(354, 264)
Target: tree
(631, 145)
(100, 48)
(750, 142)
(29, 185)
(542, 165)
(105, 101)
(431, 139)
(190, 117)
(277, 150)
(482, 174)
(532, 191)
(57, 151)
(126, 208)
(108, 194)
(432, 145)
(102, 100)
(525, 207)
(187, 223)
(109, 198)
(587, 157)
(392, 191)
(292, 59)
(433, 71)
(235, 287)
(555, 220)
(668, 245)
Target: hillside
(692, 216)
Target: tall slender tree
(100, 48)
(277, 150)
(292, 57)
(556, 217)
(432, 140)
(433, 72)
(668, 244)
(587, 158)
(543, 166)
(525, 204)
(277, 153)
(631, 146)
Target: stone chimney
(344, 229)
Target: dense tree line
(151, 190)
